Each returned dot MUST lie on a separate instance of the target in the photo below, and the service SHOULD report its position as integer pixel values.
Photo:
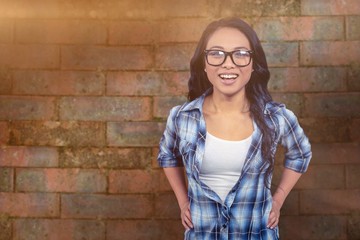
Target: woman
(225, 138)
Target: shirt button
(224, 226)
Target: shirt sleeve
(169, 155)
(297, 145)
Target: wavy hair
(256, 90)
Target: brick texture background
(86, 86)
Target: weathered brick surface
(105, 158)
(134, 134)
(105, 108)
(60, 180)
(26, 108)
(30, 56)
(312, 79)
(300, 28)
(19, 156)
(86, 88)
(68, 133)
(329, 53)
(58, 229)
(146, 83)
(329, 201)
(106, 206)
(330, 7)
(60, 31)
(111, 58)
(29, 204)
(4, 133)
(30, 82)
(313, 227)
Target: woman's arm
(176, 178)
(288, 180)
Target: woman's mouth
(228, 78)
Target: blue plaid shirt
(245, 211)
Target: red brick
(313, 227)
(181, 30)
(30, 56)
(6, 31)
(6, 81)
(317, 177)
(27, 108)
(355, 129)
(260, 8)
(132, 33)
(352, 176)
(18, 156)
(136, 134)
(300, 28)
(32, 82)
(105, 108)
(311, 79)
(174, 57)
(146, 83)
(110, 58)
(104, 158)
(5, 227)
(330, 7)
(291, 204)
(106, 206)
(131, 181)
(353, 227)
(29, 204)
(332, 105)
(335, 153)
(51, 133)
(323, 202)
(60, 31)
(166, 206)
(329, 130)
(4, 133)
(60, 180)
(162, 105)
(58, 229)
(329, 53)
(76, 9)
(173, 8)
(145, 229)
(6, 180)
(281, 54)
(353, 77)
(353, 27)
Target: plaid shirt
(245, 211)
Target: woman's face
(228, 79)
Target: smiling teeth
(228, 76)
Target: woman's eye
(216, 53)
(241, 54)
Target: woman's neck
(223, 104)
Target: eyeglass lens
(239, 57)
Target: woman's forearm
(288, 180)
(176, 178)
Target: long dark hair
(256, 89)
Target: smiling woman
(225, 139)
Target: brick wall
(86, 87)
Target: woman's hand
(274, 216)
(186, 216)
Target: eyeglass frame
(228, 54)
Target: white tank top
(222, 163)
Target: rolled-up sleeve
(297, 145)
(168, 150)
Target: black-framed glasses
(240, 57)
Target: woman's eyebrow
(222, 48)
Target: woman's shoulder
(278, 109)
